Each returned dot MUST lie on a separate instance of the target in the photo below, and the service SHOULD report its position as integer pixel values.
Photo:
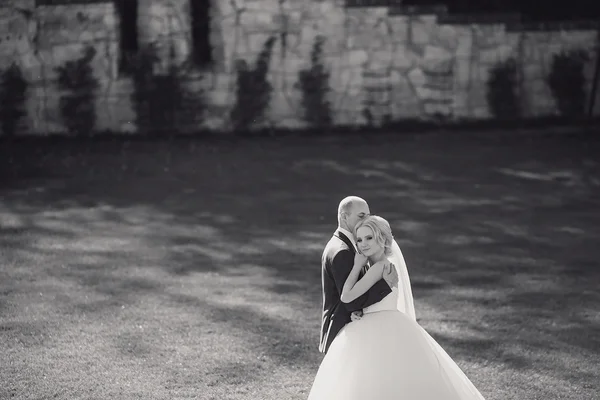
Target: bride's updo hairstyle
(381, 230)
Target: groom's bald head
(347, 203)
(351, 210)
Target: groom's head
(351, 210)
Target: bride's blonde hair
(381, 230)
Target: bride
(386, 355)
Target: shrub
(502, 90)
(162, 103)
(314, 85)
(13, 89)
(253, 92)
(567, 82)
(77, 105)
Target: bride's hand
(359, 260)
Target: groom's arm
(341, 266)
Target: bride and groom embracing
(374, 348)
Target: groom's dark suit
(337, 262)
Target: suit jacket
(336, 264)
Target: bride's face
(366, 242)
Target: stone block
(405, 58)
(359, 41)
(420, 33)
(259, 21)
(416, 77)
(357, 57)
(405, 103)
(381, 59)
(497, 54)
(221, 97)
(434, 55)
(488, 35)
(343, 78)
(399, 30)
(447, 36)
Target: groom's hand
(356, 315)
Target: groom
(336, 263)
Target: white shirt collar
(348, 235)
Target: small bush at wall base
(162, 102)
(77, 105)
(253, 92)
(314, 85)
(502, 91)
(13, 91)
(567, 82)
(155, 97)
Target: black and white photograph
(299, 200)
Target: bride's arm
(353, 289)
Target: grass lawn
(191, 269)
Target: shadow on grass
(499, 236)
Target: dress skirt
(388, 356)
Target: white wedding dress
(387, 355)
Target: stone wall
(51, 35)
(399, 61)
(385, 61)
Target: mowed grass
(191, 270)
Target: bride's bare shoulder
(386, 266)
